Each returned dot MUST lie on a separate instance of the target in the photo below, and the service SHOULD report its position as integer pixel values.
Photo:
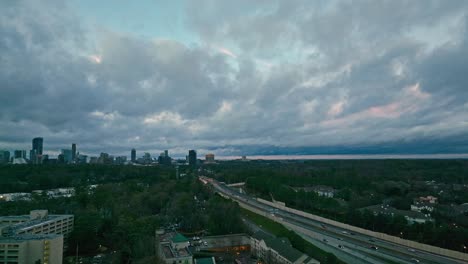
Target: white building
(37, 236)
(273, 250)
(173, 247)
(48, 249)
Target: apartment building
(274, 250)
(34, 237)
(25, 249)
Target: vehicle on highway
(373, 247)
(411, 250)
(325, 240)
(415, 260)
(340, 246)
(340, 238)
(344, 232)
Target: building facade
(4, 156)
(210, 158)
(44, 249)
(192, 157)
(33, 237)
(274, 250)
(133, 155)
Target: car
(325, 240)
(411, 250)
(340, 246)
(344, 232)
(205, 243)
(340, 238)
(373, 247)
(415, 260)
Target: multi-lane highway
(364, 249)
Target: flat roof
(22, 238)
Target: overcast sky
(235, 77)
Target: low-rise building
(320, 190)
(410, 216)
(173, 247)
(274, 250)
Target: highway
(364, 249)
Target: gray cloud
(273, 74)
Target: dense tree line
(124, 210)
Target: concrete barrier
(382, 236)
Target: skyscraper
(73, 151)
(20, 154)
(133, 155)
(192, 155)
(4, 156)
(67, 155)
(37, 145)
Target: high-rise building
(133, 155)
(164, 158)
(192, 157)
(67, 155)
(73, 151)
(4, 156)
(20, 154)
(32, 156)
(209, 158)
(37, 144)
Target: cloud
(227, 52)
(305, 74)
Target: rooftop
(179, 238)
(17, 239)
(204, 261)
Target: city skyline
(243, 78)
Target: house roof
(280, 245)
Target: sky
(251, 77)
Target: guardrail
(393, 239)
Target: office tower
(4, 156)
(192, 155)
(67, 155)
(20, 154)
(164, 158)
(73, 151)
(133, 155)
(209, 158)
(37, 145)
(32, 156)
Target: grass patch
(297, 241)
